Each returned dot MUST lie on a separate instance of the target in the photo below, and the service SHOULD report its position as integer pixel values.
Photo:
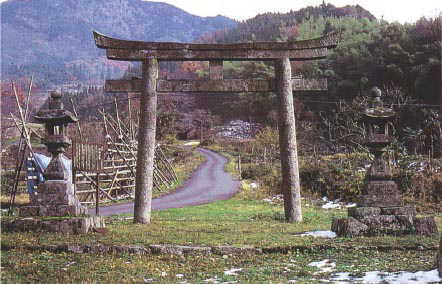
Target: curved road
(207, 184)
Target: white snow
(335, 204)
(400, 277)
(232, 271)
(331, 205)
(324, 266)
(254, 185)
(320, 234)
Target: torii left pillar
(146, 142)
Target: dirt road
(207, 184)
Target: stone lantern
(380, 209)
(380, 190)
(56, 119)
(56, 195)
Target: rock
(140, 250)
(179, 250)
(425, 226)
(387, 224)
(71, 248)
(96, 249)
(361, 212)
(74, 225)
(348, 227)
(227, 250)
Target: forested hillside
(53, 38)
(401, 57)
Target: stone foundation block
(74, 225)
(229, 250)
(179, 250)
(425, 226)
(386, 224)
(29, 211)
(361, 212)
(399, 210)
(348, 227)
(380, 193)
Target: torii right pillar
(291, 187)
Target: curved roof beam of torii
(118, 49)
(329, 40)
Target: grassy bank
(240, 221)
(236, 222)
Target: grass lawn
(238, 222)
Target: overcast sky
(391, 10)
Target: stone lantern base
(373, 221)
(55, 198)
(57, 210)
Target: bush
(208, 141)
(336, 176)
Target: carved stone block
(380, 193)
(361, 212)
(399, 210)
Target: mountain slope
(48, 36)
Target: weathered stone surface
(214, 85)
(96, 249)
(399, 210)
(348, 227)
(179, 250)
(425, 225)
(71, 248)
(386, 224)
(380, 193)
(56, 198)
(230, 250)
(28, 211)
(75, 225)
(361, 212)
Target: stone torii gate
(281, 53)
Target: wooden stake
(287, 140)
(146, 143)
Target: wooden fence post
(146, 143)
(287, 141)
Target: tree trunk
(291, 188)
(146, 143)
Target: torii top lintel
(126, 50)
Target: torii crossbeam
(281, 53)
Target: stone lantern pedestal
(380, 209)
(56, 196)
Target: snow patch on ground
(320, 234)
(324, 266)
(335, 204)
(274, 199)
(232, 271)
(388, 277)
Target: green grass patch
(236, 222)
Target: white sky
(391, 10)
